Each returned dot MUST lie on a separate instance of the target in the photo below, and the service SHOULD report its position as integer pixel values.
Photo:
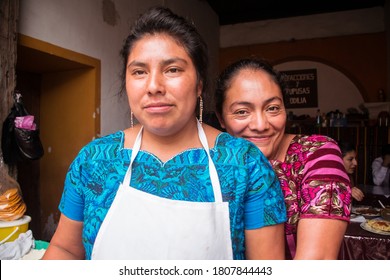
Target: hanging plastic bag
(19, 139)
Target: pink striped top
(314, 182)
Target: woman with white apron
(144, 226)
(152, 191)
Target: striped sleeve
(326, 164)
(326, 190)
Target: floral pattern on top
(313, 181)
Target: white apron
(142, 226)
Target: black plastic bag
(17, 143)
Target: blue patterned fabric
(247, 181)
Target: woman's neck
(283, 147)
(166, 147)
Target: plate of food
(366, 211)
(378, 226)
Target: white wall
(84, 27)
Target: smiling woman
(168, 187)
(250, 104)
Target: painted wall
(97, 28)
(332, 86)
(348, 49)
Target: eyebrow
(246, 103)
(269, 100)
(162, 63)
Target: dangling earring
(131, 119)
(200, 109)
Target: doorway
(61, 88)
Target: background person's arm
(378, 172)
(66, 243)
(319, 239)
(266, 243)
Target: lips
(257, 138)
(158, 107)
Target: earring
(131, 119)
(200, 109)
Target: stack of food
(12, 206)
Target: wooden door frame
(54, 63)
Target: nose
(354, 162)
(155, 83)
(258, 122)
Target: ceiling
(239, 11)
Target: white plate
(370, 229)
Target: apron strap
(213, 171)
(136, 147)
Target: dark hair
(225, 78)
(162, 20)
(386, 149)
(346, 147)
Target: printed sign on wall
(301, 88)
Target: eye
(173, 70)
(138, 72)
(241, 113)
(274, 109)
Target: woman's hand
(357, 194)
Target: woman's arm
(66, 243)
(266, 243)
(325, 191)
(319, 239)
